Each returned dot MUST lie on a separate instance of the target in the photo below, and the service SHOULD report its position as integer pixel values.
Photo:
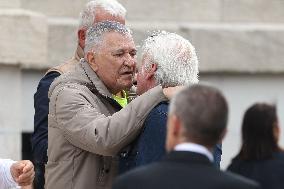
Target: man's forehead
(116, 39)
(103, 15)
(119, 35)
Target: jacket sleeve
(151, 142)
(83, 124)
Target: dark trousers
(39, 175)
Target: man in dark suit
(196, 123)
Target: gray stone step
(232, 48)
(176, 10)
(23, 37)
(238, 48)
(253, 11)
(65, 8)
(62, 40)
(10, 3)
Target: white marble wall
(10, 111)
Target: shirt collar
(192, 147)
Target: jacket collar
(193, 147)
(94, 79)
(187, 157)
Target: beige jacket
(84, 132)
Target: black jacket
(39, 137)
(269, 173)
(180, 169)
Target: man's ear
(81, 37)
(176, 126)
(92, 61)
(173, 132)
(276, 131)
(151, 71)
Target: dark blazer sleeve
(151, 143)
(41, 101)
(149, 146)
(120, 183)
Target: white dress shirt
(192, 147)
(6, 179)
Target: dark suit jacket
(182, 170)
(149, 146)
(39, 137)
(269, 173)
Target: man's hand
(169, 92)
(23, 172)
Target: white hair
(95, 33)
(175, 57)
(87, 16)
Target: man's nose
(130, 61)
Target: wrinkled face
(146, 75)
(114, 61)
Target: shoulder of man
(64, 67)
(240, 181)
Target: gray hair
(87, 16)
(176, 60)
(95, 33)
(203, 112)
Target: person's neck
(150, 84)
(186, 140)
(194, 147)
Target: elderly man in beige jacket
(94, 11)
(87, 127)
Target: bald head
(101, 10)
(98, 11)
(201, 113)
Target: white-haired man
(87, 128)
(197, 122)
(94, 12)
(167, 60)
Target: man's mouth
(128, 73)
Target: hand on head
(169, 92)
(23, 172)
